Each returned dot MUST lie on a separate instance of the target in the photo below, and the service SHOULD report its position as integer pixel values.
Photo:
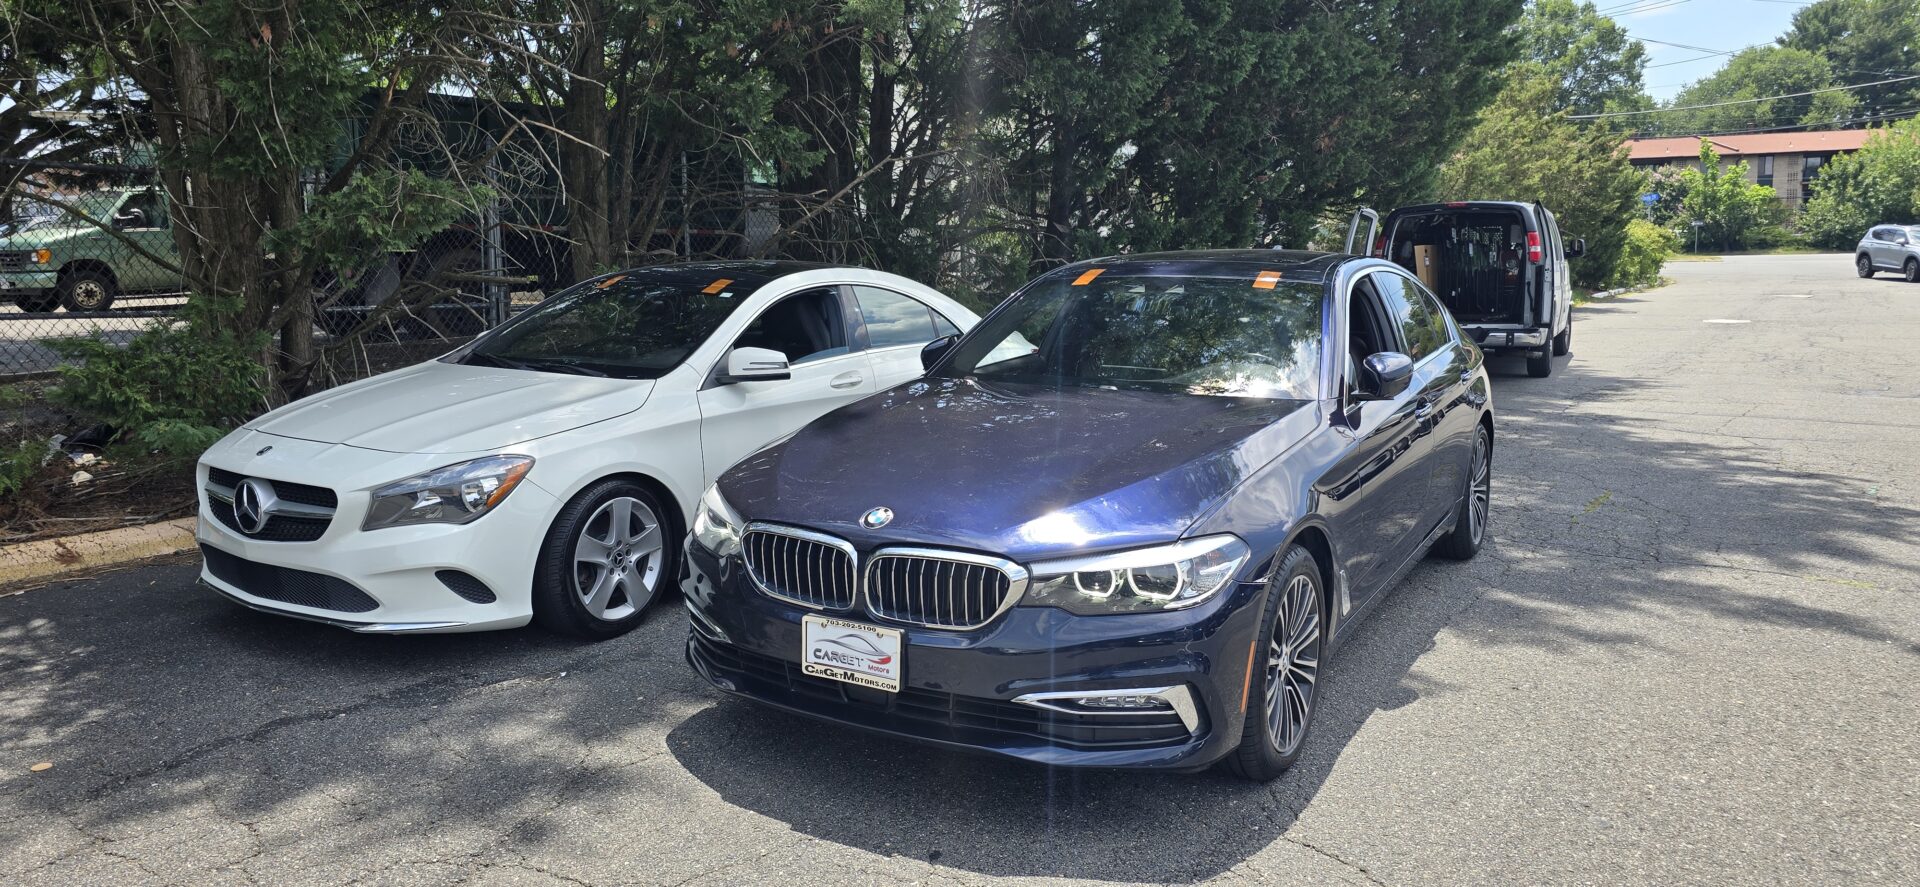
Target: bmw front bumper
(1007, 689)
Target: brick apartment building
(1787, 161)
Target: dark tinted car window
(1228, 335)
(634, 326)
(893, 319)
(1422, 326)
(805, 326)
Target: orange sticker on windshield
(717, 285)
(1088, 276)
(609, 281)
(1266, 280)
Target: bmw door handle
(846, 380)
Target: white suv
(548, 470)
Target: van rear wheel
(1563, 343)
(1540, 367)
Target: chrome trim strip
(1017, 580)
(1179, 698)
(809, 536)
(361, 627)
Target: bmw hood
(1016, 470)
(437, 407)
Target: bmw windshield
(1229, 335)
(639, 325)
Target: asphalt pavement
(1690, 654)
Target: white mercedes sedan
(547, 470)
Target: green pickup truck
(69, 262)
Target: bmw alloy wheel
(616, 562)
(1482, 491)
(1293, 665)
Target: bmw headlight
(715, 525)
(455, 494)
(1165, 577)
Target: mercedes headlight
(455, 494)
(715, 525)
(1165, 577)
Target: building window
(1810, 170)
(1765, 176)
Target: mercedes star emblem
(876, 518)
(253, 504)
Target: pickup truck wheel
(1563, 343)
(86, 291)
(39, 304)
(1540, 367)
(1911, 270)
(1863, 265)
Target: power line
(1792, 95)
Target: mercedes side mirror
(931, 353)
(1577, 249)
(755, 365)
(1383, 376)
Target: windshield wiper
(561, 366)
(482, 357)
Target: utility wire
(1792, 95)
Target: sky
(1727, 25)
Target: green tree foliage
(1145, 125)
(1522, 149)
(1879, 183)
(1597, 63)
(1759, 73)
(1864, 41)
(173, 389)
(1734, 212)
(1646, 248)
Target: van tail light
(1379, 245)
(1533, 247)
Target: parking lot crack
(1350, 866)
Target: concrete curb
(71, 554)
(1608, 294)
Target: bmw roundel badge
(876, 518)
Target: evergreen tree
(1522, 149)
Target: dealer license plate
(852, 652)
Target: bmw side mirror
(1577, 249)
(931, 353)
(1385, 375)
(755, 365)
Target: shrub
(1647, 248)
(171, 389)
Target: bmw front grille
(929, 587)
(941, 589)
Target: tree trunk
(583, 153)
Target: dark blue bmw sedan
(1123, 522)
